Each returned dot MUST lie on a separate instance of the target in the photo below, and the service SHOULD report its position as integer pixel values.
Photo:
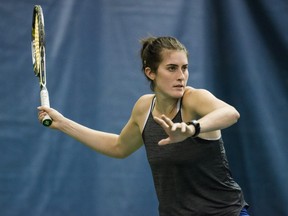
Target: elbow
(235, 115)
(121, 156)
(121, 153)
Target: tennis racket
(38, 58)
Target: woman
(180, 128)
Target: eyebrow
(176, 65)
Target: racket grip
(44, 97)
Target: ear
(149, 73)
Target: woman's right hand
(54, 114)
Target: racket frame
(39, 58)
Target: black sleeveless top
(191, 177)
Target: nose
(181, 74)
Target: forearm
(219, 119)
(102, 142)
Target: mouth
(178, 86)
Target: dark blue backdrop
(238, 50)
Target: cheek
(163, 81)
(187, 76)
(169, 80)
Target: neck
(166, 107)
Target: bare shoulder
(201, 101)
(190, 91)
(198, 102)
(143, 103)
(141, 108)
(194, 96)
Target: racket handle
(44, 96)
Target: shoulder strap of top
(149, 111)
(179, 106)
(152, 104)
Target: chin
(178, 94)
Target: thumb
(44, 108)
(164, 141)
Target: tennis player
(180, 127)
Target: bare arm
(212, 113)
(113, 145)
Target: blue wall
(238, 50)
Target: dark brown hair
(151, 52)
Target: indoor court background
(238, 51)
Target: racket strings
(36, 44)
(39, 49)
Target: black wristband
(197, 127)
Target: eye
(172, 68)
(184, 67)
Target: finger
(167, 120)
(183, 127)
(161, 122)
(41, 108)
(45, 109)
(40, 112)
(41, 116)
(164, 142)
(175, 126)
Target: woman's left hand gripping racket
(38, 58)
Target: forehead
(174, 57)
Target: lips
(179, 86)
